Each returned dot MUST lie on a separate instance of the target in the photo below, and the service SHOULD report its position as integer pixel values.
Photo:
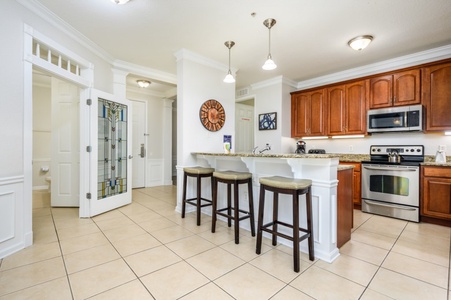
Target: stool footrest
(193, 201)
(290, 238)
(247, 214)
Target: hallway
(146, 251)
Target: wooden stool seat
(198, 201)
(232, 212)
(295, 187)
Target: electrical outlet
(351, 148)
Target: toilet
(48, 179)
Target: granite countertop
(269, 155)
(429, 160)
(344, 167)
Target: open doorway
(56, 142)
(244, 126)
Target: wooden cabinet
(436, 192)
(346, 108)
(402, 88)
(436, 88)
(308, 113)
(344, 206)
(357, 191)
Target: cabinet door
(406, 88)
(381, 91)
(357, 197)
(436, 87)
(300, 116)
(356, 107)
(317, 113)
(336, 110)
(437, 197)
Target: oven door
(391, 183)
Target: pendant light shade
(269, 63)
(229, 77)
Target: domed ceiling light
(229, 77)
(143, 83)
(360, 42)
(269, 63)
(120, 1)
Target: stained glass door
(110, 153)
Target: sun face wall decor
(212, 115)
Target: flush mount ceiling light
(143, 83)
(269, 63)
(120, 1)
(229, 77)
(360, 42)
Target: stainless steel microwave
(402, 118)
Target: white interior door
(65, 162)
(244, 128)
(107, 166)
(139, 144)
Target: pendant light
(269, 63)
(229, 77)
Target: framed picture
(267, 121)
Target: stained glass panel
(112, 149)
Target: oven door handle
(389, 205)
(390, 169)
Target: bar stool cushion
(285, 182)
(198, 170)
(231, 175)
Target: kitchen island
(320, 168)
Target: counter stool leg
(236, 213)
(261, 205)
(251, 206)
(214, 204)
(184, 194)
(229, 204)
(199, 189)
(296, 231)
(311, 249)
(275, 218)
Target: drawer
(437, 171)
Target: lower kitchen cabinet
(436, 194)
(357, 195)
(345, 210)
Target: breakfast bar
(320, 168)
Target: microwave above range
(403, 118)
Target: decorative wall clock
(212, 115)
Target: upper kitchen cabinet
(437, 96)
(397, 89)
(308, 113)
(346, 108)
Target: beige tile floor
(146, 251)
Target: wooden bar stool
(232, 212)
(295, 187)
(198, 201)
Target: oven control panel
(415, 150)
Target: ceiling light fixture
(120, 1)
(229, 77)
(360, 42)
(269, 63)
(143, 83)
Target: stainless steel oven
(391, 188)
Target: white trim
(11, 180)
(276, 80)
(194, 57)
(58, 23)
(146, 72)
(410, 60)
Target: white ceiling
(309, 39)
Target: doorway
(244, 126)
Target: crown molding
(145, 71)
(273, 81)
(405, 61)
(186, 54)
(58, 23)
